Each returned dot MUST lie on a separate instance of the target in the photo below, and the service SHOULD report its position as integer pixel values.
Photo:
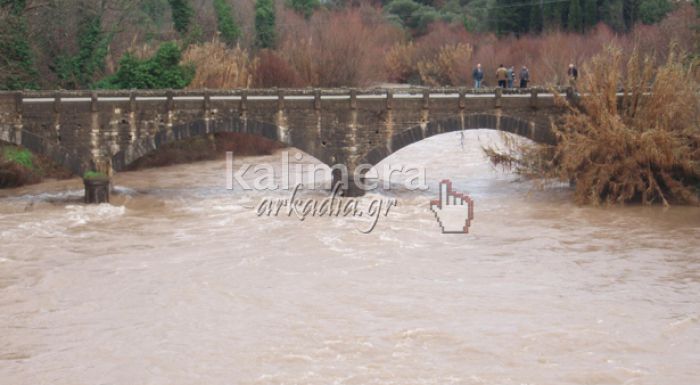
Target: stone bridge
(107, 130)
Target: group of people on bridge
(506, 77)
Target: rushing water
(178, 281)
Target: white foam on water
(78, 215)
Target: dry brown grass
(220, 67)
(400, 62)
(643, 148)
(447, 67)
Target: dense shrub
(272, 70)
(447, 67)
(20, 156)
(401, 63)
(344, 48)
(163, 70)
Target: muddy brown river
(178, 281)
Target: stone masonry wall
(108, 130)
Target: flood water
(178, 281)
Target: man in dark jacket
(524, 77)
(478, 75)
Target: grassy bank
(18, 167)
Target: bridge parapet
(277, 92)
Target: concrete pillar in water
(346, 185)
(98, 183)
(96, 190)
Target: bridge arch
(537, 132)
(197, 127)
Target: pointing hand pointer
(454, 211)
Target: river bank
(19, 167)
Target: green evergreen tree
(536, 21)
(182, 15)
(630, 12)
(653, 11)
(613, 15)
(265, 35)
(227, 25)
(552, 16)
(413, 15)
(304, 7)
(574, 21)
(510, 16)
(590, 13)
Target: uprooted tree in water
(644, 147)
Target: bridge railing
(277, 93)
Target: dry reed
(220, 67)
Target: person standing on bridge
(511, 76)
(572, 73)
(524, 77)
(502, 76)
(478, 75)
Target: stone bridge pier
(108, 130)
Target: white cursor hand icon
(454, 211)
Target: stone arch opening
(145, 145)
(531, 130)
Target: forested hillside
(73, 44)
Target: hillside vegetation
(78, 44)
